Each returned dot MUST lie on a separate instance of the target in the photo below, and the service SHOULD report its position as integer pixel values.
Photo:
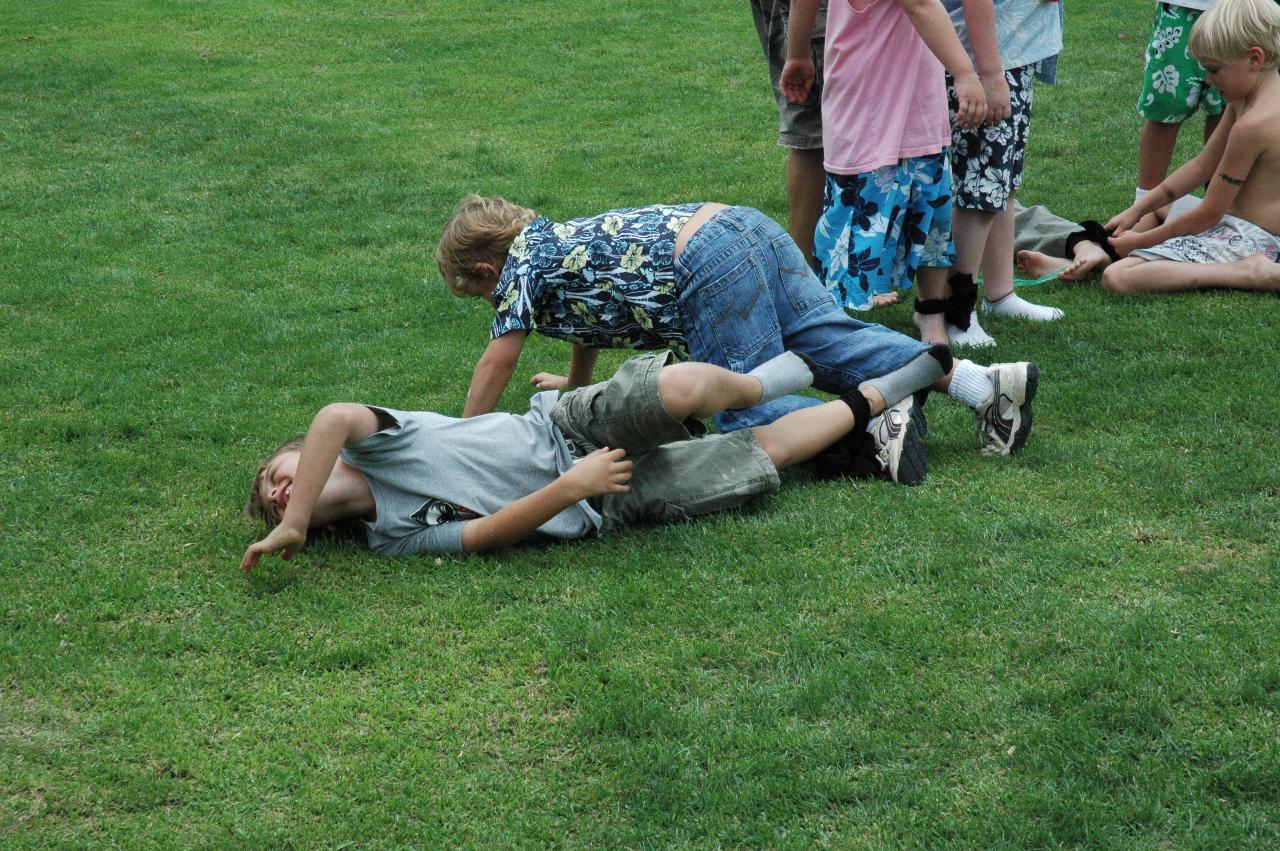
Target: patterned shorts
(987, 161)
(1229, 240)
(878, 228)
(1173, 82)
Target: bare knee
(1116, 279)
(681, 390)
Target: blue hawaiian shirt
(1027, 32)
(605, 282)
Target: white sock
(1139, 194)
(1015, 305)
(975, 336)
(780, 375)
(970, 384)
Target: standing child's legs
(987, 164)
(1173, 88)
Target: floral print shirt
(605, 282)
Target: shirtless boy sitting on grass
(1231, 239)
(576, 465)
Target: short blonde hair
(1230, 27)
(255, 507)
(481, 230)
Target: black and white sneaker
(899, 438)
(1004, 420)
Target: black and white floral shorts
(986, 161)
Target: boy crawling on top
(612, 454)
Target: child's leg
(800, 435)
(931, 282)
(1155, 151)
(997, 275)
(1135, 275)
(702, 390)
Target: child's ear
(487, 269)
(1257, 56)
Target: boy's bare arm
(332, 428)
(493, 372)
(1225, 162)
(603, 471)
(798, 74)
(980, 21)
(934, 26)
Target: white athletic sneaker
(1004, 420)
(898, 435)
(975, 336)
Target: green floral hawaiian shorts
(1173, 84)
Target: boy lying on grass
(594, 459)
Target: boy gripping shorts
(1173, 82)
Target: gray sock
(905, 380)
(781, 375)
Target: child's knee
(681, 389)
(1116, 279)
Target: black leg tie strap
(964, 296)
(929, 306)
(861, 410)
(1091, 231)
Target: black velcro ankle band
(861, 410)
(964, 296)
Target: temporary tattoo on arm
(1234, 181)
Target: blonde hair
(1230, 27)
(255, 507)
(481, 230)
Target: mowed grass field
(215, 217)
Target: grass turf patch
(215, 218)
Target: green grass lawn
(216, 217)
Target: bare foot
(932, 327)
(1034, 264)
(884, 299)
(1090, 258)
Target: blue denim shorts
(747, 294)
(878, 228)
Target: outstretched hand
(550, 381)
(282, 539)
(603, 471)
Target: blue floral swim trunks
(878, 228)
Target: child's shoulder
(1258, 123)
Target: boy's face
(1234, 78)
(275, 488)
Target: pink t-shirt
(884, 97)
